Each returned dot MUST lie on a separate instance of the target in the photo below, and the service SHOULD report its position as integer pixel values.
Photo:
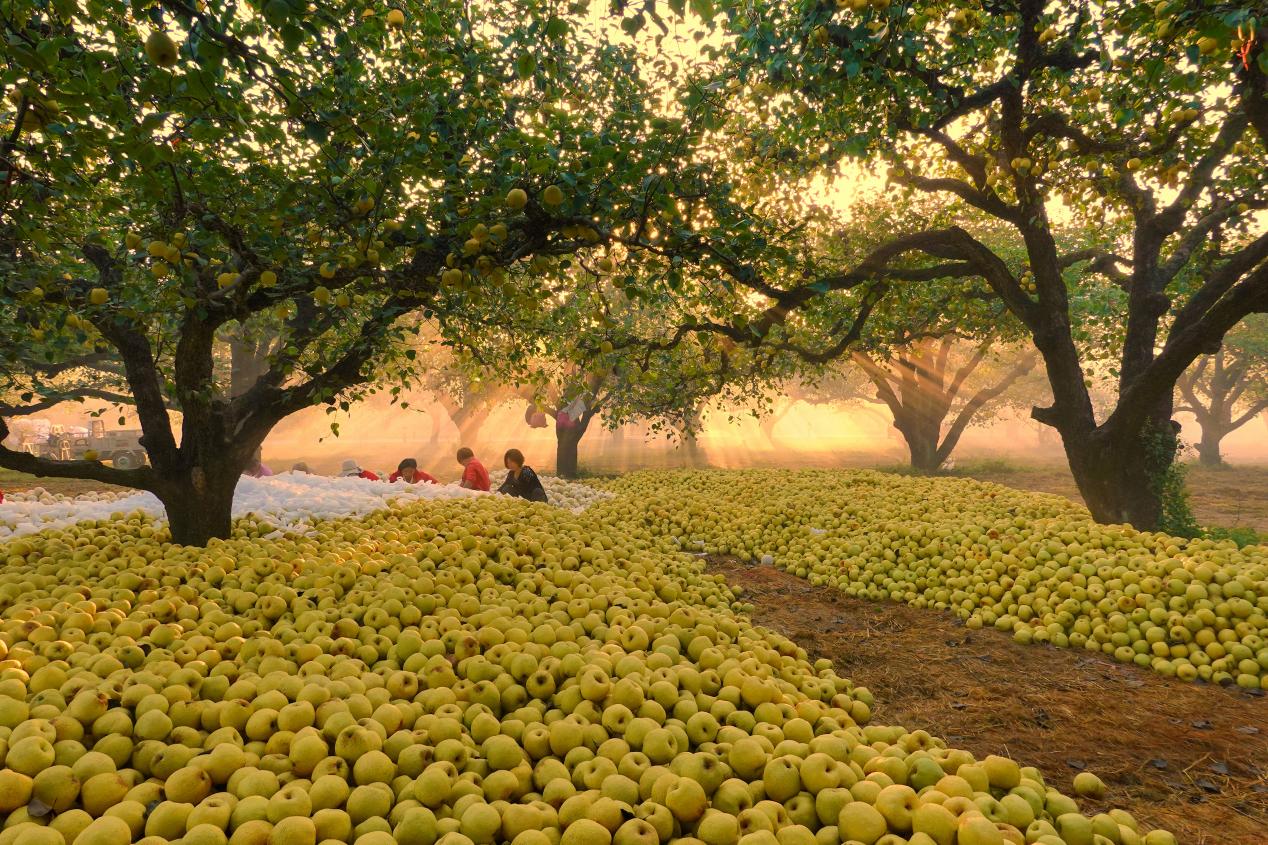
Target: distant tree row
(220, 219)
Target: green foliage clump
(1167, 475)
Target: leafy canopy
(331, 176)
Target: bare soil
(1192, 758)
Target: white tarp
(290, 501)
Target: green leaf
(318, 132)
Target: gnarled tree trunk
(920, 433)
(199, 503)
(1120, 465)
(1124, 481)
(688, 435)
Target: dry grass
(13, 482)
(1225, 497)
(1192, 758)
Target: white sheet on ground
(291, 501)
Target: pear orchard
(1031, 564)
(479, 671)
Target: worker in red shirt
(474, 475)
(409, 472)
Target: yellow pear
(161, 49)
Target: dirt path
(1190, 758)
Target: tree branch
(880, 379)
(974, 405)
(962, 374)
(979, 199)
(1184, 344)
(141, 372)
(1169, 219)
(56, 368)
(1221, 281)
(1251, 413)
(47, 402)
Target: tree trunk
(196, 485)
(1125, 482)
(199, 504)
(566, 442)
(470, 423)
(1209, 445)
(434, 438)
(691, 448)
(767, 422)
(922, 444)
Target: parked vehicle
(122, 447)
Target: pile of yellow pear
(461, 672)
(1031, 564)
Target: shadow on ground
(1191, 758)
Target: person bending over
(409, 472)
(521, 481)
(474, 475)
